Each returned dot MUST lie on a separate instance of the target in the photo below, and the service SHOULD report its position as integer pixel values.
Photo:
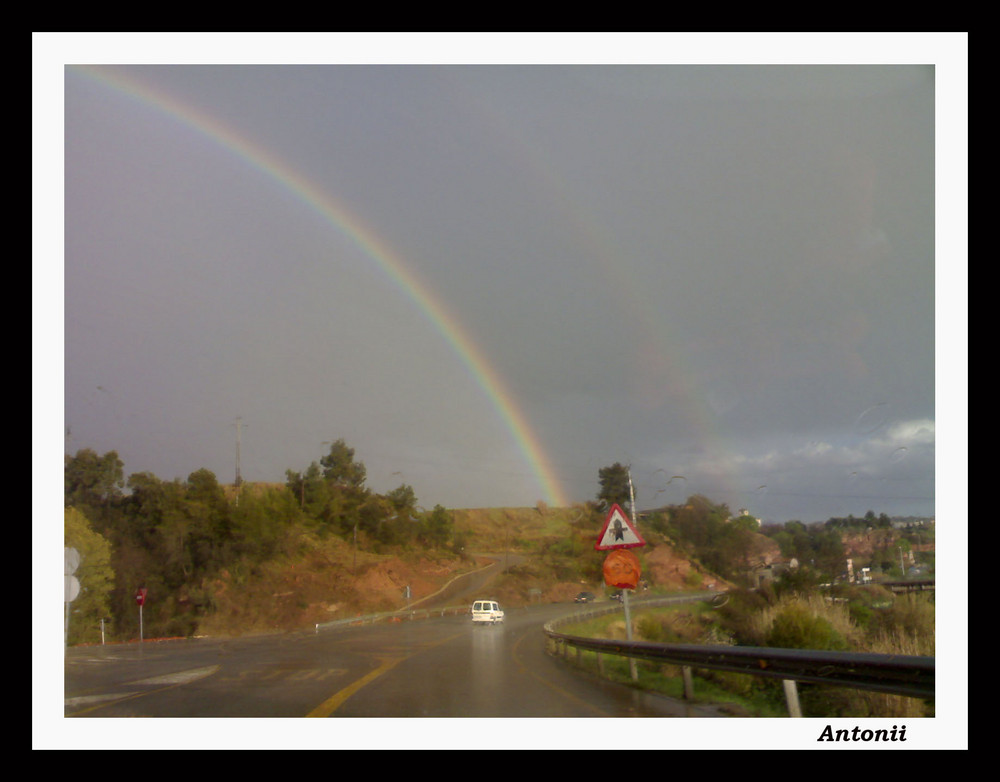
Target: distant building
(911, 523)
(770, 571)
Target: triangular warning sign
(618, 532)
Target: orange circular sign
(621, 569)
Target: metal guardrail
(413, 612)
(908, 585)
(402, 615)
(911, 676)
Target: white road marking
(170, 679)
(181, 677)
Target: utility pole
(633, 671)
(631, 497)
(239, 478)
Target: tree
(206, 512)
(745, 522)
(373, 516)
(400, 524)
(262, 523)
(436, 528)
(403, 499)
(614, 486)
(829, 553)
(340, 469)
(95, 574)
(92, 482)
(794, 541)
(311, 491)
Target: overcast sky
(493, 280)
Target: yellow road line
(335, 701)
(331, 704)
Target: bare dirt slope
(328, 580)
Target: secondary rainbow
(373, 247)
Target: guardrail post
(908, 676)
(792, 697)
(688, 678)
(628, 635)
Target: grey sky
(725, 273)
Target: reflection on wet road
(439, 667)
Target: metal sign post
(71, 586)
(633, 671)
(621, 567)
(625, 592)
(140, 598)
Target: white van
(486, 611)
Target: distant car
(585, 597)
(486, 612)
(617, 596)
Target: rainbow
(354, 228)
(659, 382)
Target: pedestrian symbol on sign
(618, 532)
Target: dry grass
(837, 614)
(906, 628)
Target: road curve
(436, 667)
(468, 586)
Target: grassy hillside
(549, 553)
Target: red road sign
(140, 596)
(618, 532)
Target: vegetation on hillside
(178, 539)
(206, 552)
(848, 618)
(813, 601)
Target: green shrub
(650, 628)
(795, 627)
(861, 614)
(912, 615)
(800, 581)
(904, 627)
(738, 614)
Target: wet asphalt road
(435, 667)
